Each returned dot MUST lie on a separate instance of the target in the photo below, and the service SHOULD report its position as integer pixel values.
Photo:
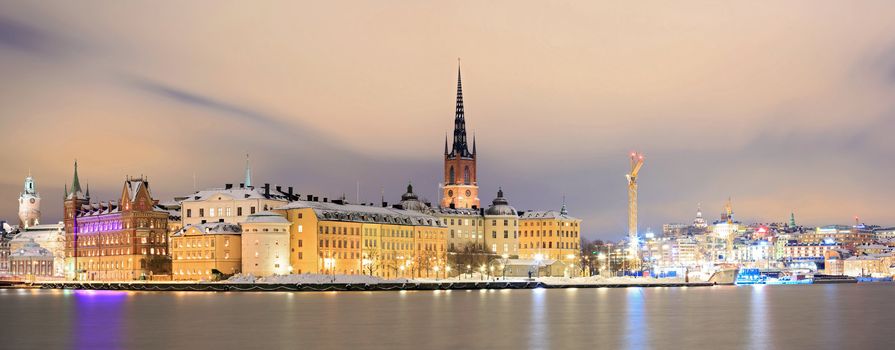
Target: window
(201, 212)
(229, 211)
(299, 243)
(252, 210)
(211, 212)
(466, 175)
(451, 177)
(299, 228)
(493, 234)
(239, 211)
(189, 213)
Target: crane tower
(636, 164)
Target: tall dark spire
(460, 148)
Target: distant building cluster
(855, 250)
(273, 230)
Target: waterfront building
(460, 188)
(337, 237)
(206, 251)
(848, 236)
(549, 235)
(502, 227)
(48, 236)
(115, 240)
(808, 251)
(5, 238)
(232, 204)
(671, 251)
(876, 265)
(516, 268)
(29, 204)
(31, 260)
(884, 233)
(265, 244)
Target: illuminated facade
(116, 240)
(50, 237)
(335, 237)
(31, 261)
(198, 250)
(502, 227)
(265, 245)
(232, 205)
(549, 235)
(29, 205)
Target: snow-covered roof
(31, 249)
(447, 211)
(239, 193)
(362, 213)
(266, 217)
(549, 214)
(211, 228)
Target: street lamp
(436, 272)
(538, 258)
(330, 263)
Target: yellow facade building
(549, 235)
(198, 250)
(501, 228)
(335, 237)
(233, 205)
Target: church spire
(563, 210)
(446, 144)
(248, 180)
(473, 143)
(75, 183)
(460, 148)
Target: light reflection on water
(821, 316)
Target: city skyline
(775, 132)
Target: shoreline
(336, 287)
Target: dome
(500, 206)
(409, 201)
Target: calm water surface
(776, 317)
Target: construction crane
(636, 164)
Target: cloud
(219, 107)
(19, 36)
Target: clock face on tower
(450, 193)
(32, 200)
(468, 193)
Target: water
(792, 317)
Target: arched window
(466, 175)
(452, 175)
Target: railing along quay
(338, 287)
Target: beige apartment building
(233, 205)
(265, 245)
(198, 250)
(501, 228)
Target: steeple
(88, 190)
(75, 184)
(473, 143)
(792, 219)
(460, 147)
(445, 144)
(564, 211)
(248, 180)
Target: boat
(725, 276)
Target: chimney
(338, 201)
(453, 206)
(310, 198)
(325, 200)
(385, 204)
(228, 186)
(266, 189)
(279, 188)
(290, 191)
(242, 185)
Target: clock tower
(461, 188)
(29, 204)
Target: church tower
(461, 188)
(73, 201)
(29, 204)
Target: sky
(782, 108)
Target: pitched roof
(361, 213)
